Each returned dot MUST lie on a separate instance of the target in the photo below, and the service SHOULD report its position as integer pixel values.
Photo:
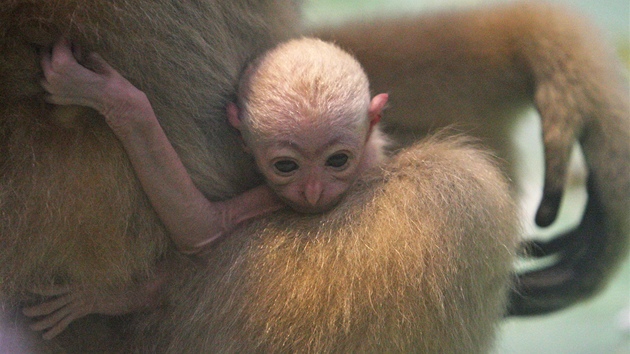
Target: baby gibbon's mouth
(319, 208)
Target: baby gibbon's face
(311, 171)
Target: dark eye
(285, 166)
(337, 160)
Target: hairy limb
(493, 62)
(581, 92)
(71, 209)
(191, 218)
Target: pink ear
(232, 113)
(376, 108)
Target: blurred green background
(598, 326)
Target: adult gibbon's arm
(476, 67)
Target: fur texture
(300, 81)
(71, 208)
(372, 277)
(482, 67)
(398, 259)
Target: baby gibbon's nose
(313, 191)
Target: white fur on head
(303, 81)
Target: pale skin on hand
(191, 218)
(70, 303)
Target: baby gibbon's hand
(70, 83)
(57, 312)
(96, 85)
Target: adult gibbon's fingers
(550, 204)
(561, 123)
(557, 160)
(583, 266)
(540, 249)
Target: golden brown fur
(478, 69)
(72, 211)
(395, 261)
(71, 208)
(60, 189)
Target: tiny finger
(48, 98)
(99, 64)
(46, 308)
(62, 49)
(58, 328)
(52, 99)
(62, 58)
(53, 290)
(45, 61)
(45, 85)
(77, 51)
(50, 321)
